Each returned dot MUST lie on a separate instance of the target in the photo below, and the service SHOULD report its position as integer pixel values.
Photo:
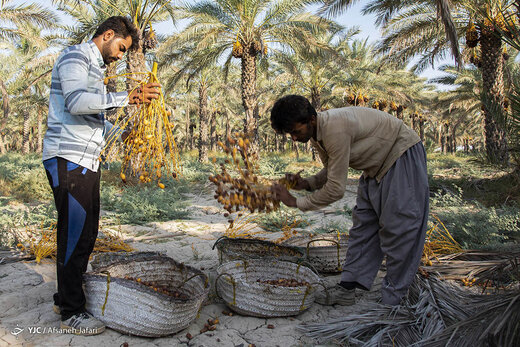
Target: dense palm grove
(222, 71)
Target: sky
(350, 18)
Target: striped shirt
(76, 123)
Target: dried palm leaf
(434, 312)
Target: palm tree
(385, 10)
(315, 70)
(371, 82)
(30, 84)
(223, 29)
(144, 14)
(14, 21)
(509, 29)
(413, 30)
(14, 17)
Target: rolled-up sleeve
(333, 189)
(74, 78)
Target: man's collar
(97, 54)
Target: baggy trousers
(390, 219)
(76, 195)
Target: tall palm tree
(30, 84)
(14, 19)
(208, 83)
(385, 10)
(315, 70)
(143, 12)
(413, 31)
(223, 29)
(369, 81)
(509, 29)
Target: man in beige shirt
(391, 212)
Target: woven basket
(237, 285)
(230, 249)
(134, 308)
(325, 252)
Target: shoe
(83, 324)
(56, 309)
(337, 295)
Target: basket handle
(218, 240)
(337, 246)
(106, 294)
(327, 295)
(233, 282)
(303, 262)
(206, 280)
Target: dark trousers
(76, 195)
(390, 219)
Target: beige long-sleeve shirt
(358, 137)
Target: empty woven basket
(326, 253)
(237, 284)
(239, 248)
(132, 307)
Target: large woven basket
(326, 253)
(230, 249)
(237, 285)
(134, 308)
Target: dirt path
(26, 316)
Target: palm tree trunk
(295, 149)
(399, 112)
(135, 62)
(439, 136)
(445, 138)
(192, 137)
(316, 98)
(316, 103)
(454, 138)
(249, 95)
(493, 95)
(213, 138)
(26, 132)
(203, 123)
(5, 108)
(40, 131)
(421, 130)
(228, 129)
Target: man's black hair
(122, 26)
(289, 110)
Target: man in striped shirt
(72, 145)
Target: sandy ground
(26, 289)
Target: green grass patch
(142, 204)
(285, 216)
(476, 226)
(480, 182)
(23, 178)
(331, 227)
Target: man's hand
(281, 193)
(299, 182)
(144, 94)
